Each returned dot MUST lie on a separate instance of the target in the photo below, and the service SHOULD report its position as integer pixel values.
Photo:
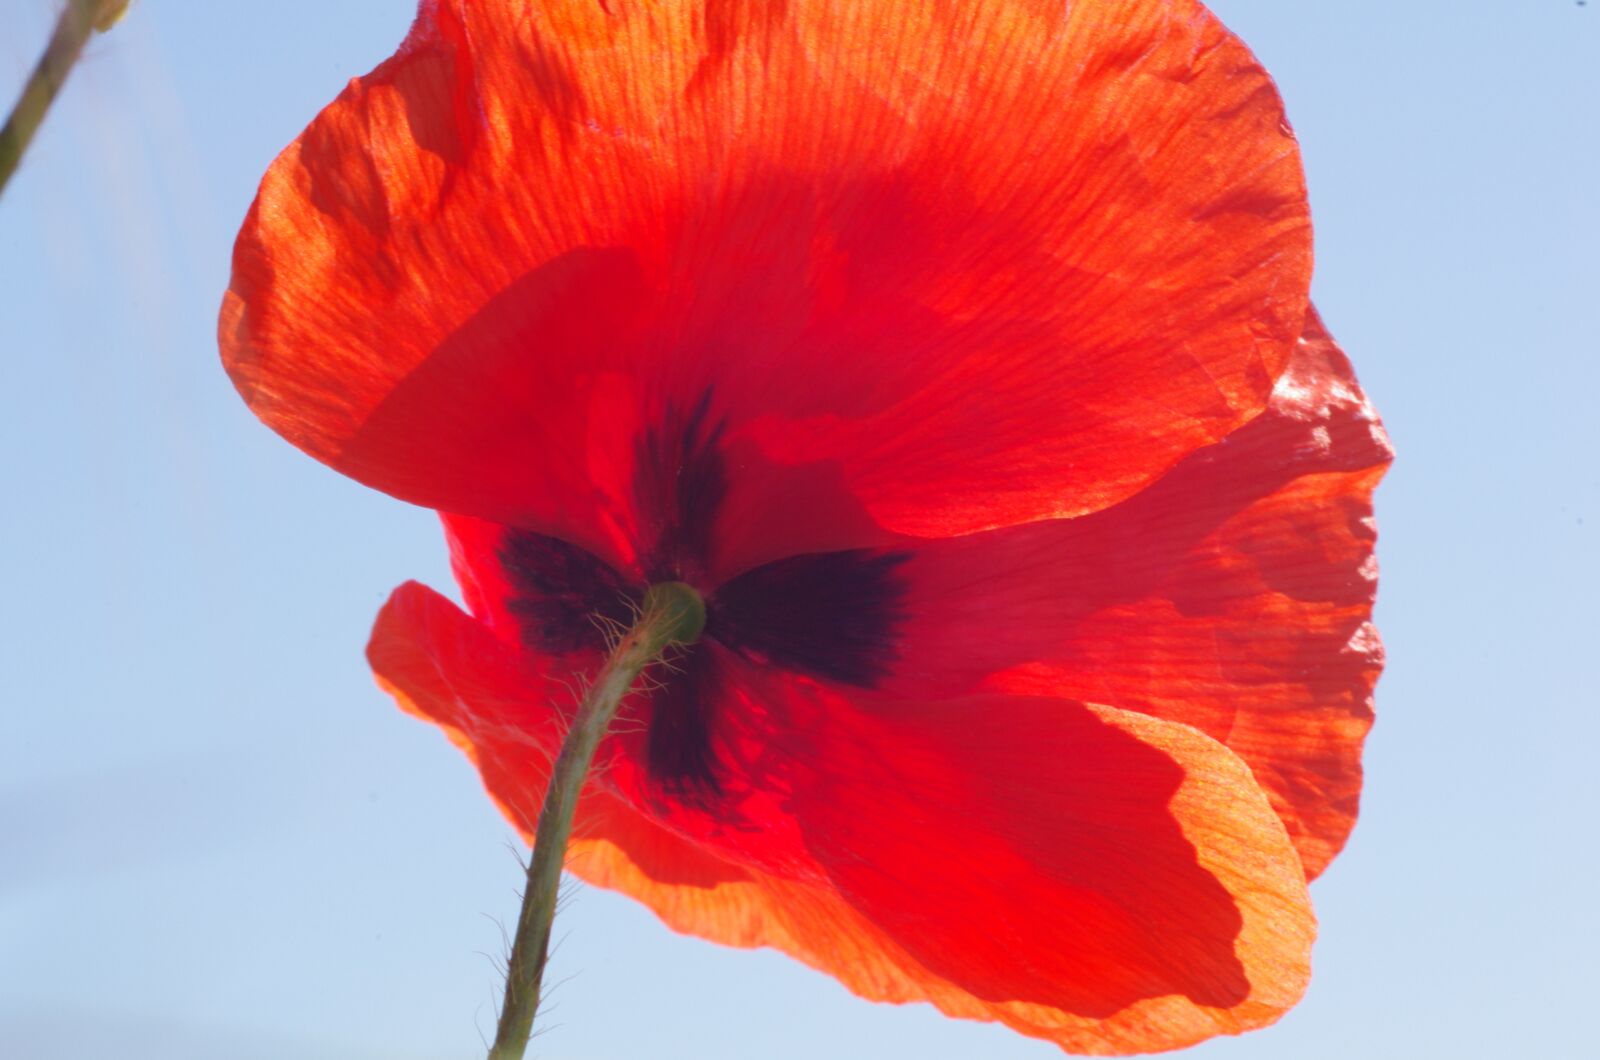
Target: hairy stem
(673, 613)
(78, 19)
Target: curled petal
(445, 668)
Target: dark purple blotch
(832, 616)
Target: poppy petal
(695, 892)
(1102, 879)
(444, 667)
(966, 265)
(1234, 595)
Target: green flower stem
(673, 613)
(78, 19)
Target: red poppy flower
(959, 353)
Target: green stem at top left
(78, 19)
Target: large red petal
(1234, 595)
(1105, 880)
(962, 266)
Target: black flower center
(832, 615)
(829, 615)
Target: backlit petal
(1234, 595)
(446, 668)
(1106, 880)
(935, 267)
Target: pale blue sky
(218, 839)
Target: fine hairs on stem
(672, 614)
